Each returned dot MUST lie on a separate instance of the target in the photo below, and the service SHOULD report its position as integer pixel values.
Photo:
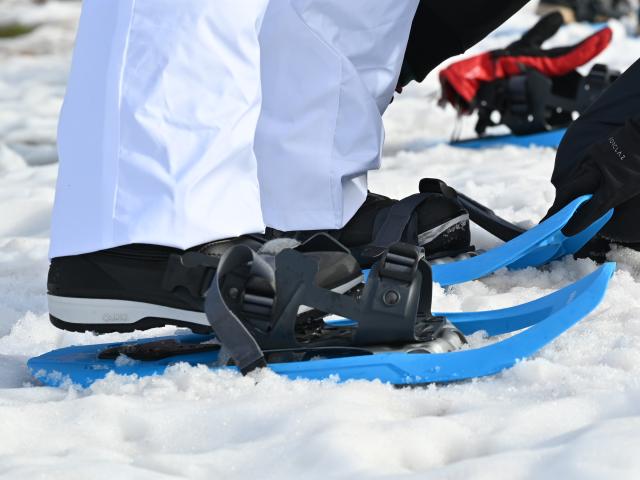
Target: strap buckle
(400, 262)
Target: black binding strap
(400, 221)
(222, 315)
(479, 214)
(399, 216)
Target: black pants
(444, 28)
(609, 112)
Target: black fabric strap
(482, 216)
(441, 30)
(398, 218)
(247, 354)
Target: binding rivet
(390, 297)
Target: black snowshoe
(533, 102)
(525, 87)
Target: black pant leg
(444, 28)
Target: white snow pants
(194, 120)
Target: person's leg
(157, 130)
(156, 157)
(329, 70)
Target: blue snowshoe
(268, 305)
(391, 333)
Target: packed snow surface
(573, 412)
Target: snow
(573, 412)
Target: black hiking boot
(436, 222)
(138, 287)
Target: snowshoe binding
(532, 102)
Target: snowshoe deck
(546, 318)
